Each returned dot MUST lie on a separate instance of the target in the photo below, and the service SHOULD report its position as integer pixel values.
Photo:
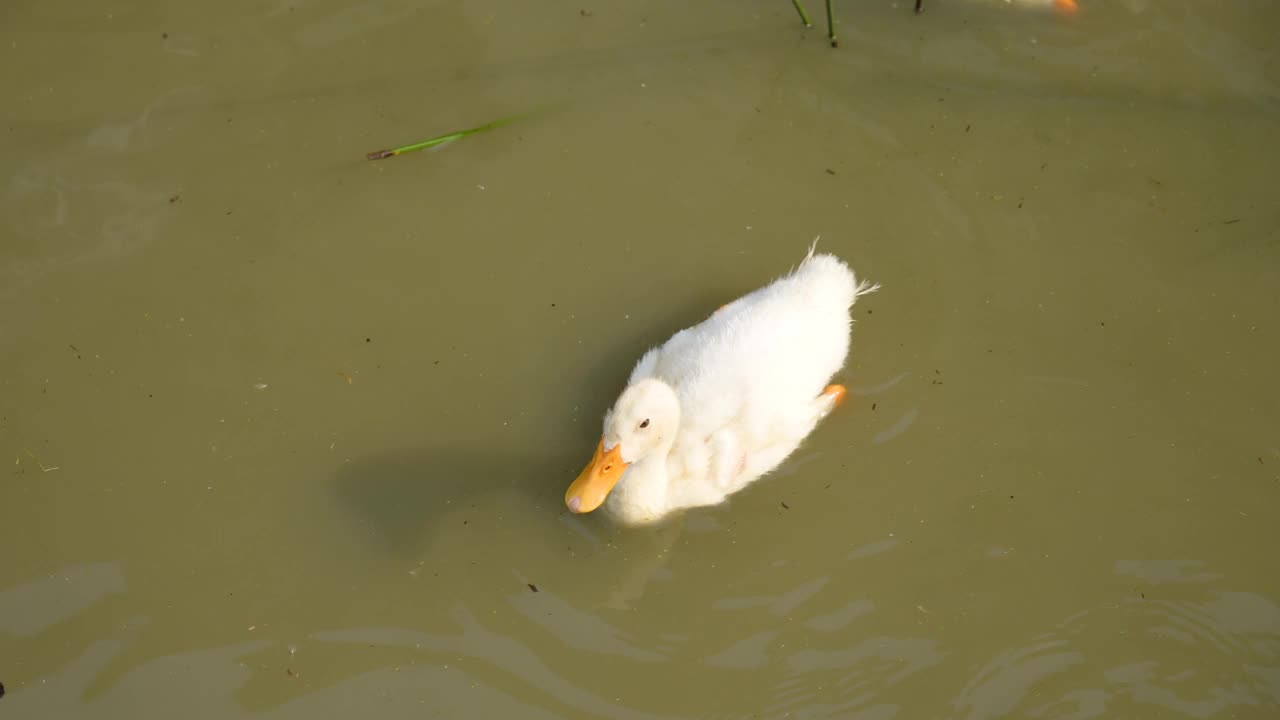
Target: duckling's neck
(643, 494)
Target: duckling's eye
(644, 424)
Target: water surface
(290, 430)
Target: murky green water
(289, 431)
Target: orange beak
(1068, 6)
(598, 478)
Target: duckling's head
(641, 424)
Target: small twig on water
(39, 464)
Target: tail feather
(831, 279)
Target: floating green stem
(831, 26)
(804, 16)
(440, 140)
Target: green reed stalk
(804, 16)
(440, 140)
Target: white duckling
(725, 401)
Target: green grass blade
(831, 26)
(804, 16)
(439, 140)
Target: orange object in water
(1063, 6)
(838, 392)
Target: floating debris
(439, 140)
(40, 465)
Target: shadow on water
(485, 512)
(441, 497)
(405, 493)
